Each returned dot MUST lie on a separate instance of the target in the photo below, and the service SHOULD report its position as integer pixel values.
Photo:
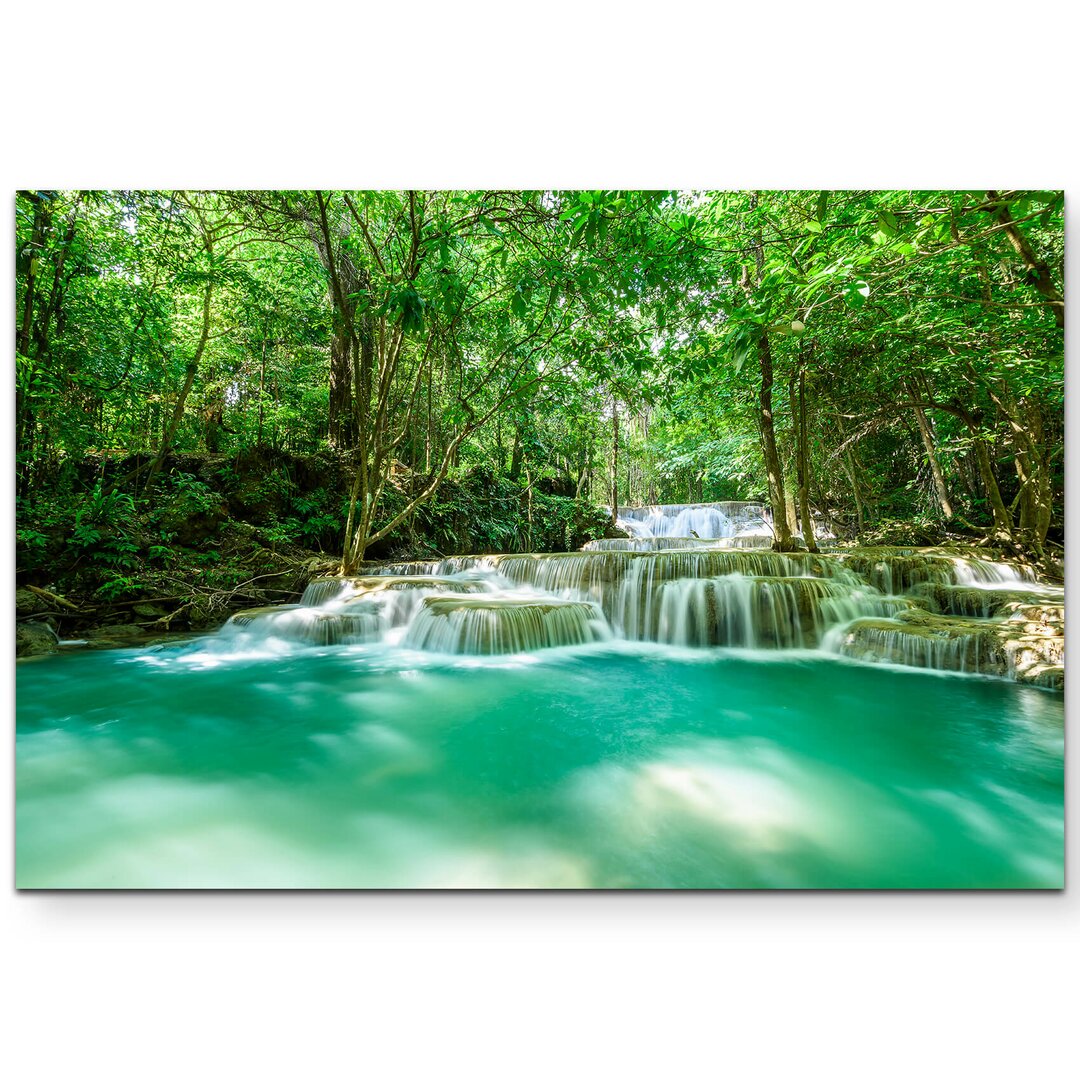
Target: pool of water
(609, 766)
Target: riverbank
(102, 560)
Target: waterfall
(494, 625)
(435, 568)
(309, 625)
(752, 612)
(397, 599)
(934, 608)
(982, 572)
(918, 646)
(649, 543)
(962, 600)
(672, 543)
(588, 576)
(896, 571)
(707, 521)
(323, 590)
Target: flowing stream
(659, 716)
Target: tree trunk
(614, 460)
(766, 428)
(189, 380)
(927, 434)
(515, 455)
(782, 540)
(339, 415)
(802, 463)
(1032, 465)
(24, 415)
(1002, 518)
(262, 384)
(1038, 272)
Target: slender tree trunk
(339, 414)
(515, 455)
(529, 505)
(927, 435)
(781, 531)
(262, 384)
(1002, 519)
(782, 540)
(189, 380)
(614, 459)
(1038, 273)
(24, 418)
(802, 463)
(850, 472)
(583, 479)
(427, 431)
(1032, 465)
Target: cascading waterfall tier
(753, 612)
(899, 570)
(926, 642)
(347, 611)
(397, 599)
(649, 543)
(940, 608)
(310, 625)
(974, 602)
(323, 590)
(485, 626)
(603, 577)
(702, 520)
(672, 543)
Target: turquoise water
(611, 766)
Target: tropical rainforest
(214, 388)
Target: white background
(832, 95)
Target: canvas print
(550, 539)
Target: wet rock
(1027, 647)
(28, 603)
(35, 639)
(483, 626)
(975, 603)
(150, 611)
(116, 636)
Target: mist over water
(612, 765)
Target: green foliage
(118, 586)
(494, 344)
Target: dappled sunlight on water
(608, 765)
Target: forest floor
(99, 561)
(248, 570)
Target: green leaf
(889, 225)
(739, 355)
(856, 293)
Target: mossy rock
(1023, 649)
(401, 583)
(29, 603)
(447, 605)
(972, 602)
(35, 639)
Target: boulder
(28, 603)
(35, 639)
